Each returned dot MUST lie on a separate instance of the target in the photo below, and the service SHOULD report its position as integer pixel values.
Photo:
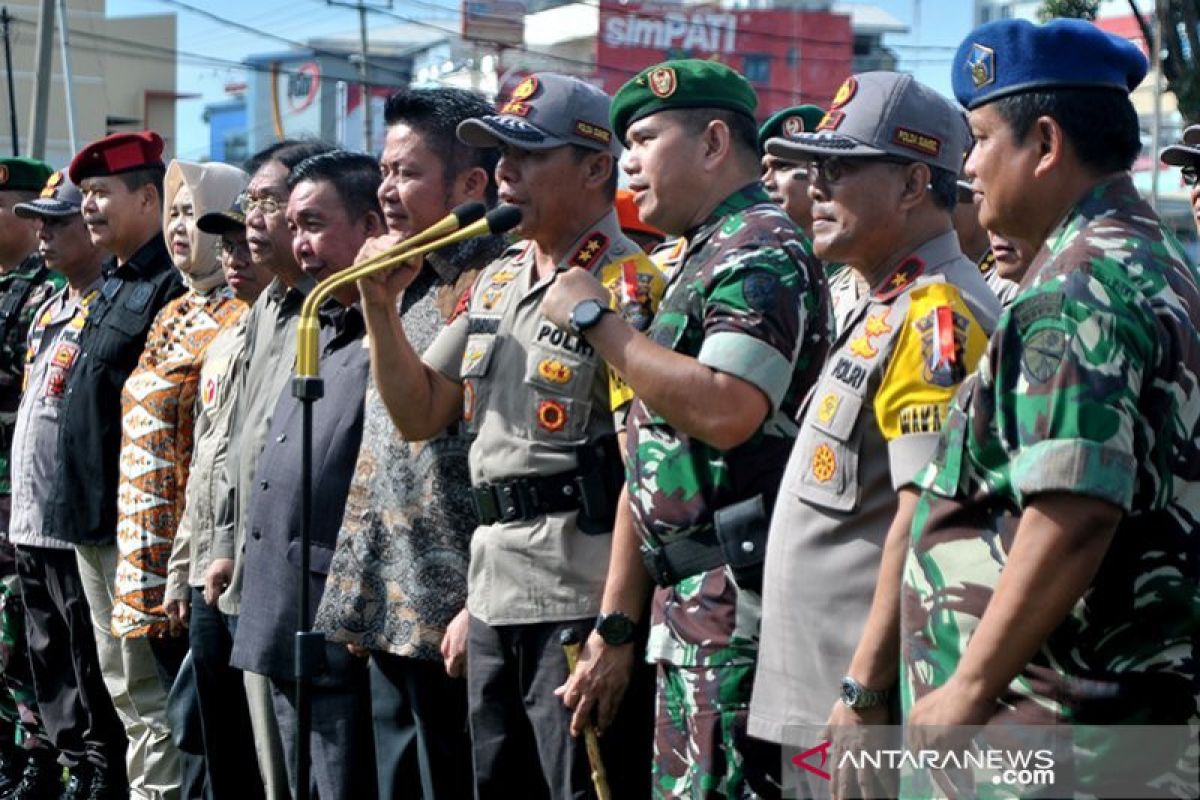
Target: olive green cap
(681, 83)
(23, 174)
(789, 123)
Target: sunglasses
(832, 169)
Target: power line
(283, 39)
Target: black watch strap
(615, 628)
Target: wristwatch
(586, 314)
(857, 696)
(615, 628)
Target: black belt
(526, 498)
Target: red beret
(116, 153)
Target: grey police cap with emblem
(59, 198)
(885, 114)
(546, 110)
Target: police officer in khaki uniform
(884, 164)
(540, 405)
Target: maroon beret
(117, 153)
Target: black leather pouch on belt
(737, 537)
(601, 473)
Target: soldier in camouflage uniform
(25, 283)
(742, 331)
(1053, 562)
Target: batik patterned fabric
(399, 571)
(1090, 387)
(157, 406)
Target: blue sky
(936, 28)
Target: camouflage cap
(59, 198)
(681, 83)
(231, 220)
(546, 110)
(790, 122)
(19, 173)
(885, 114)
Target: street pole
(65, 43)
(12, 92)
(42, 80)
(362, 68)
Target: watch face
(850, 693)
(616, 628)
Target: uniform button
(281, 438)
(264, 485)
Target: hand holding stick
(569, 639)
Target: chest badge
(861, 346)
(824, 463)
(828, 408)
(551, 415)
(554, 371)
(876, 324)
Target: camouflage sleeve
(445, 353)
(938, 345)
(753, 315)
(1069, 361)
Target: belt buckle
(509, 501)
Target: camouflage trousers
(701, 748)
(19, 717)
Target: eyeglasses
(227, 248)
(833, 169)
(1190, 175)
(268, 205)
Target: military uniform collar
(29, 266)
(63, 307)
(749, 195)
(1106, 197)
(149, 260)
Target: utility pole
(65, 44)
(364, 8)
(42, 80)
(362, 68)
(12, 92)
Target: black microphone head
(502, 219)
(469, 212)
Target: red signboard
(789, 56)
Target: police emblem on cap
(3, 174)
(845, 93)
(981, 63)
(525, 89)
(793, 126)
(51, 184)
(662, 82)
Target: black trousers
(341, 748)
(224, 717)
(169, 652)
(520, 729)
(422, 747)
(74, 702)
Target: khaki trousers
(130, 674)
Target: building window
(757, 69)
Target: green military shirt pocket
(828, 448)
(560, 383)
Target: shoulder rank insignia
(876, 324)
(589, 252)
(909, 270)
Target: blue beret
(1011, 56)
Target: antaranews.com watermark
(998, 761)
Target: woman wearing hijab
(157, 415)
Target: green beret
(23, 174)
(789, 122)
(681, 83)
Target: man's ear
(1051, 143)
(471, 185)
(917, 179)
(717, 142)
(150, 199)
(373, 224)
(599, 168)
